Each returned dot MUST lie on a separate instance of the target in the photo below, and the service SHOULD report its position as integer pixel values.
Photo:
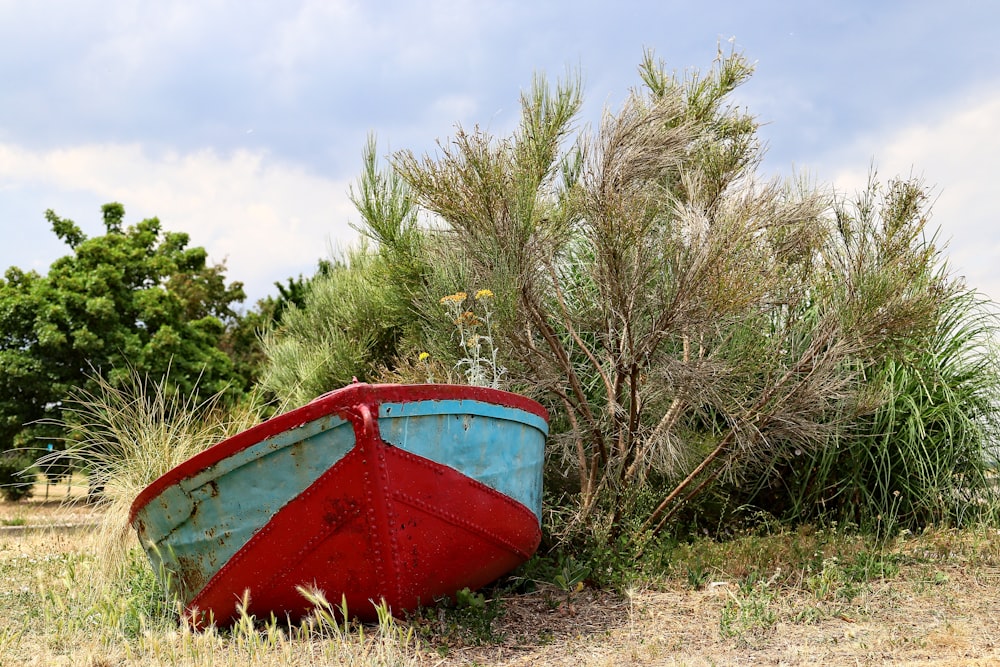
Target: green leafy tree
(294, 291)
(135, 299)
(246, 335)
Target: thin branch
(560, 354)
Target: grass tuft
(127, 436)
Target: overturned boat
(400, 494)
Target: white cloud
(267, 219)
(956, 152)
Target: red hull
(317, 499)
(402, 544)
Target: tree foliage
(690, 321)
(357, 313)
(135, 299)
(692, 326)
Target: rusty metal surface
(373, 491)
(492, 444)
(194, 527)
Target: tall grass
(127, 436)
(926, 454)
(53, 615)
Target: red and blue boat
(400, 494)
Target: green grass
(921, 449)
(750, 612)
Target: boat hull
(373, 493)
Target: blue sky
(242, 122)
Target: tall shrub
(17, 475)
(926, 452)
(690, 325)
(688, 322)
(356, 315)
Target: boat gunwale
(342, 402)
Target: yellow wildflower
(457, 297)
(423, 356)
(484, 294)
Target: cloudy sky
(242, 122)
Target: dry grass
(63, 503)
(938, 604)
(51, 615)
(900, 622)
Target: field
(791, 598)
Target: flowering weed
(480, 365)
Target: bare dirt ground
(939, 604)
(941, 607)
(959, 624)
